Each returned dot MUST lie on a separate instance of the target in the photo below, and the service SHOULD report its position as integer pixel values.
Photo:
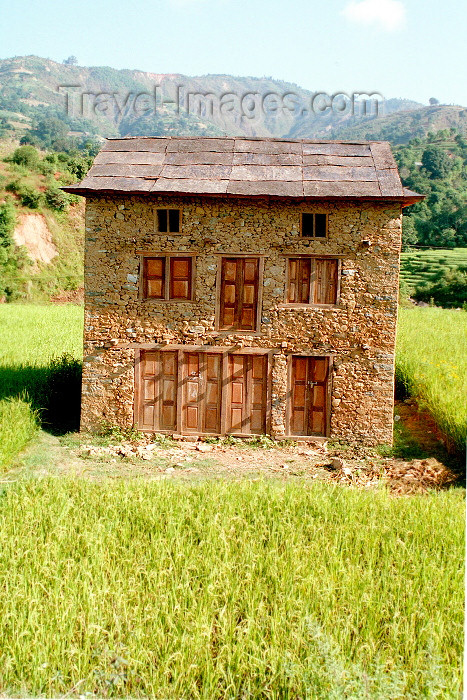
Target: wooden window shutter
(299, 281)
(239, 293)
(154, 278)
(180, 278)
(325, 281)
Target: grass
(431, 361)
(214, 590)
(32, 336)
(425, 266)
(18, 424)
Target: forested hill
(436, 166)
(101, 101)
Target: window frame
(311, 304)
(167, 257)
(314, 237)
(259, 301)
(167, 210)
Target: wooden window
(239, 289)
(312, 281)
(168, 220)
(314, 225)
(168, 277)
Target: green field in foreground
(31, 335)
(215, 590)
(431, 360)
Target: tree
(433, 101)
(26, 155)
(436, 162)
(70, 61)
(49, 131)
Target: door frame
(288, 408)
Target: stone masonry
(358, 333)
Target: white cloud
(388, 15)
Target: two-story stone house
(242, 286)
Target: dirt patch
(75, 296)
(32, 232)
(76, 456)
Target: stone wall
(359, 332)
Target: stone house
(242, 286)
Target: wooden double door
(309, 396)
(201, 392)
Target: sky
(398, 48)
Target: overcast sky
(399, 48)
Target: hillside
(41, 227)
(429, 143)
(110, 102)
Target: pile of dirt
(402, 477)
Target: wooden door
(247, 394)
(157, 389)
(239, 293)
(201, 382)
(309, 400)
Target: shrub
(449, 291)
(26, 155)
(56, 199)
(63, 394)
(30, 197)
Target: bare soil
(86, 456)
(32, 232)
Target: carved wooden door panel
(247, 392)
(201, 383)
(157, 405)
(308, 401)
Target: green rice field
(423, 266)
(431, 360)
(209, 590)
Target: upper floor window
(314, 225)
(168, 220)
(312, 280)
(239, 293)
(168, 277)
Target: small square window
(314, 225)
(168, 220)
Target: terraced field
(419, 266)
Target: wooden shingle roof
(251, 167)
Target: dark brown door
(202, 382)
(247, 394)
(308, 402)
(157, 405)
(239, 293)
